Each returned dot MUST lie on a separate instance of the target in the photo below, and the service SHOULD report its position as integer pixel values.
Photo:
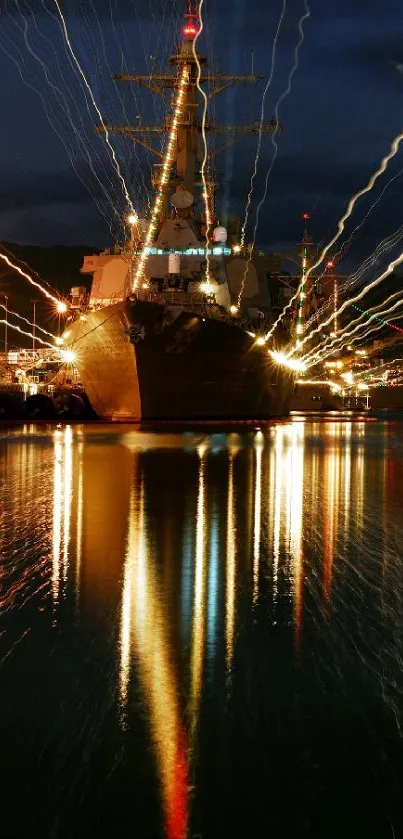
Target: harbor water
(201, 632)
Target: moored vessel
(173, 326)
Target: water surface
(201, 633)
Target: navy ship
(173, 326)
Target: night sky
(57, 184)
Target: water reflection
(173, 552)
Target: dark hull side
(387, 398)
(141, 360)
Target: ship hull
(143, 360)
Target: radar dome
(220, 234)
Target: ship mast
(185, 171)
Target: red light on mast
(305, 216)
(330, 264)
(189, 30)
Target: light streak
(286, 92)
(21, 317)
(165, 173)
(259, 142)
(340, 227)
(28, 334)
(28, 277)
(87, 85)
(258, 446)
(391, 267)
(203, 131)
(301, 302)
(385, 322)
(348, 241)
(230, 589)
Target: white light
(206, 288)
(236, 249)
(68, 356)
(61, 307)
(292, 363)
(260, 341)
(133, 218)
(233, 310)
(59, 341)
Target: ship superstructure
(162, 334)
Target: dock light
(68, 356)
(61, 307)
(59, 341)
(233, 310)
(145, 285)
(132, 218)
(260, 341)
(236, 249)
(361, 386)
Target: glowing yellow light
(233, 310)
(61, 307)
(68, 356)
(292, 363)
(166, 169)
(132, 218)
(59, 341)
(236, 249)
(339, 365)
(260, 341)
(361, 386)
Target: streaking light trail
(88, 88)
(259, 142)
(350, 206)
(391, 267)
(203, 130)
(29, 278)
(372, 314)
(286, 92)
(21, 317)
(28, 334)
